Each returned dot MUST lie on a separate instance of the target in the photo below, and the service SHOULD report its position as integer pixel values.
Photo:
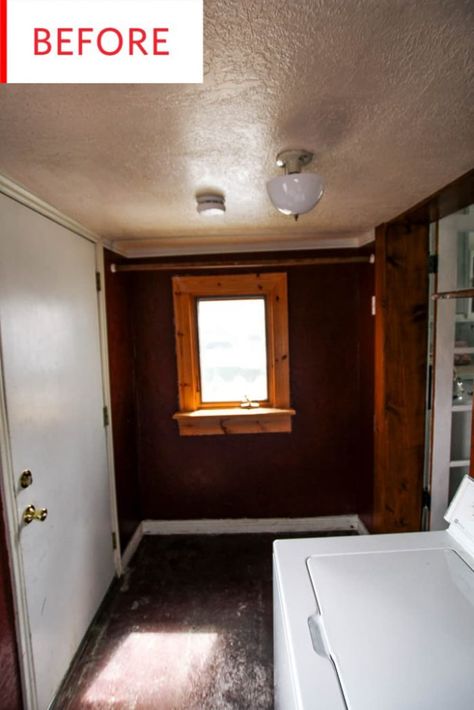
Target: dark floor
(188, 627)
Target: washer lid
(460, 514)
(398, 626)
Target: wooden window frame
(197, 418)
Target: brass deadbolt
(31, 513)
(26, 478)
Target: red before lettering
(107, 41)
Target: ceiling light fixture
(295, 193)
(210, 204)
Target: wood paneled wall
(323, 467)
(123, 396)
(366, 328)
(400, 374)
(401, 355)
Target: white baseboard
(254, 525)
(132, 546)
(361, 528)
(228, 526)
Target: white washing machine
(381, 622)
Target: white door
(51, 358)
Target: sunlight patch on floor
(152, 670)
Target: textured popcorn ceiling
(380, 90)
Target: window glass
(232, 349)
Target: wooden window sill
(261, 420)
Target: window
(232, 349)
(232, 353)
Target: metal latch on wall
(433, 264)
(426, 499)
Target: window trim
(195, 417)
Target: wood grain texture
(186, 290)
(366, 353)
(400, 374)
(400, 355)
(186, 348)
(123, 400)
(263, 420)
(322, 468)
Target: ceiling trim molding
(20, 194)
(367, 238)
(155, 248)
(114, 246)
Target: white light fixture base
(293, 160)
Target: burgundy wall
(121, 362)
(323, 467)
(10, 693)
(367, 369)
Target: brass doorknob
(31, 513)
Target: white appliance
(381, 622)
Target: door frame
(7, 477)
(106, 395)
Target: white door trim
(104, 350)
(12, 524)
(443, 363)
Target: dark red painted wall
(367, 368)
(121, 362)
(323, 467)
(10, 693)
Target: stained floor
(189, 627)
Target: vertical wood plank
(400, 374)
(187, 375)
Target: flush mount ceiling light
(295, 193)
(210, 204)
